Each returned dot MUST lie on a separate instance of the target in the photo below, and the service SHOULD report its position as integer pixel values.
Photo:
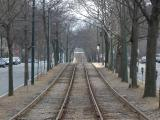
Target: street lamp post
(33, 41)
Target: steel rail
(64, 103)
(96, 106)
(39, 97)
(141, 115)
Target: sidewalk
(24, 95)
(148, 105)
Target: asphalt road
(18, 76)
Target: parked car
(2, 63)
(143, 59)
(6, 60)
(158, 58)
(30, 60)
(16, 60)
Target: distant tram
(79, 50)
(79, 56)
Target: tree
(56, 15)
(153, 20)
(9, 11)
(134, 47)
(134, 16)
(85, 38)
(27, 47)
(67, 43)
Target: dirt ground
(24, 95)
(147, 105)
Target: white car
(2, 63)
(6, 60)
(143, 59)
(158, 58)
(16, 60)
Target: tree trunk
(118, 61)
(48, 42)
(56, 52)
(45, 32)
(124, 62)
(106, 49)
(150, 82)
(56, 46)
(134, 49)
(26, 72)
(134, 55)
(10, 68)
(67, 46)
(111, 56)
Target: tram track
(45, 106)
(92, 96)
(111, 103)
(79, 92)
(77, 104)
(62, 108)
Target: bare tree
(153, 20)
(9, 11)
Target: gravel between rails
(110, 106)
(79, 106)
(48, 107)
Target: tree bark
(118, 61)
(134, 55)
(67, 46)
(45, 32)
(150, 82)
(10, 67)
(124, 62)
(134, 48)
(26, 72)
(56, 53)
(111, 55)
(106, 49)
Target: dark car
(2, 63)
